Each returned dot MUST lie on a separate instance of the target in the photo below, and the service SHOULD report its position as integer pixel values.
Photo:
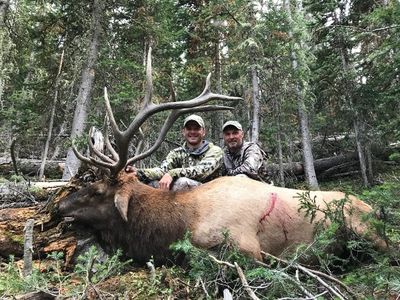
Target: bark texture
(303, 118)
(255, 127)
(48, 233)
(30, 167)
(51, 122)
(84, 96)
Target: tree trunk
(307, 148)
(255, 124)
(56, 141)
(349, 69)
(280, 159)
(370, 168)
(279, 142)
(360, 149)
(84, 96)
(13, 157)
(51, 122)
(4, 4)
(218, 121)
(303, 118)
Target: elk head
(94, 204)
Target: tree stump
(48, 232)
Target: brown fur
(156, 218)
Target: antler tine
(207, 86)
(91, 160)
(121, 139)
(173, 116)
(110, 147)
(110, 114)
(147, 111)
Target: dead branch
(28, 248)
(221, 262)
(315, 274)
(245, 284)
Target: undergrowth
(360, 272)
(89, 271)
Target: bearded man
(240, 158)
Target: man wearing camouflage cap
(195, 162)
(240, 158)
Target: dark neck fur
(156, 218)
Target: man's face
(193, 134)
(233, 138)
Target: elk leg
(250, 246)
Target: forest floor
(363, 273)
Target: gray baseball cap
(235, 124)
(195, 118)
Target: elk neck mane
(156, 218)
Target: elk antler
(177, 108)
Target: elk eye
(97, 192)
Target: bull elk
(144, 221)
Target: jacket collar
(199, 150)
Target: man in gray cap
(240, 158)
(195, 162)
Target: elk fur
(144, 221)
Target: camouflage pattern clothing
(201, 164)
(248, 161)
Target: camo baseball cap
(195, 118)
(235, 124)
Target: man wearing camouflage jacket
(240, 158)
(195, 162)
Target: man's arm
(158, 172)
(252, 162)
(209, 164)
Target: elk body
(144, 221)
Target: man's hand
(230, 173)
(165, 181)
(130, 169)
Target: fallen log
(48, 185)
(320, 165)
(30, 167)
(49, 234)
(25, 194)
(326, 168)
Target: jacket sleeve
(252, 162)
(210, 163)
(157, 173)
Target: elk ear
(121, 203)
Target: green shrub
(395, 157)
(90, 270)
